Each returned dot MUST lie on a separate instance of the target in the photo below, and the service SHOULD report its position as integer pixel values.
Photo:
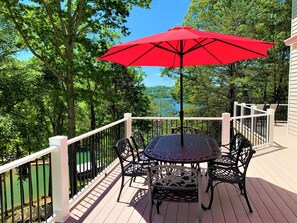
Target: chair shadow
(267, 199)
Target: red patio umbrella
(184, 46)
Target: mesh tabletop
(196, 148)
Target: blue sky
(163, 15)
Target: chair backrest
(138, 140)
(244, 155)
(173, 177)
(124, 152)
(235, 142)
(186, 129)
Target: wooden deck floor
(272, 189)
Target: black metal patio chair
(129, 165)
(233, 174)
(186, 130)
(173, 184)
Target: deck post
(59, 164)
(253, 126)
(128, 125)
(235, 114)
(226, 118)
(270, 128)
(242, 113)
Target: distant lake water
(169, 105)
(169, 101)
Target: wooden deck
(272, 189)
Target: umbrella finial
(180, 27)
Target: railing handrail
(177, 118)
(26, 159)
(80, 137)
(248, 116)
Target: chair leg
(150, 210)
(246, 198)
(122, 186)
(158, 206)
(131, 181)
(211, 194)
(208, 186)
(241, 188)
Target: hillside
(159, 91)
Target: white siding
(292, 111)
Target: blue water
(170, 101)
(175, 105)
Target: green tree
(55, 30)
(217, 87)
(22, 107)
(9, 44)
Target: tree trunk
(71, 132)
(70, 106)
(93, 116)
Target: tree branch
(25, 38)
(57, 43)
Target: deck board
(271, 186)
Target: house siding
(292, 101)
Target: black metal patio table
(196, 149)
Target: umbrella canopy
(184, 46)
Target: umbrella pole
(181, 113)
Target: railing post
(235, 114)
(242, 114)
(270, 128)
(235, 109)
(253, 107)
(128, 125)
(60, 178)
(225, 128)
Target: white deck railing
(246, 119)
(257, 125)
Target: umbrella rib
(175, 52)
(199, 45)
(154, 45)
(241, 47)
(107, 55)
(203, 46)
(164, 48)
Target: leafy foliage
(253, 81)
(63, 90)
(61, 33)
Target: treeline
(249, 81)
(159, 91)
(62, 89)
